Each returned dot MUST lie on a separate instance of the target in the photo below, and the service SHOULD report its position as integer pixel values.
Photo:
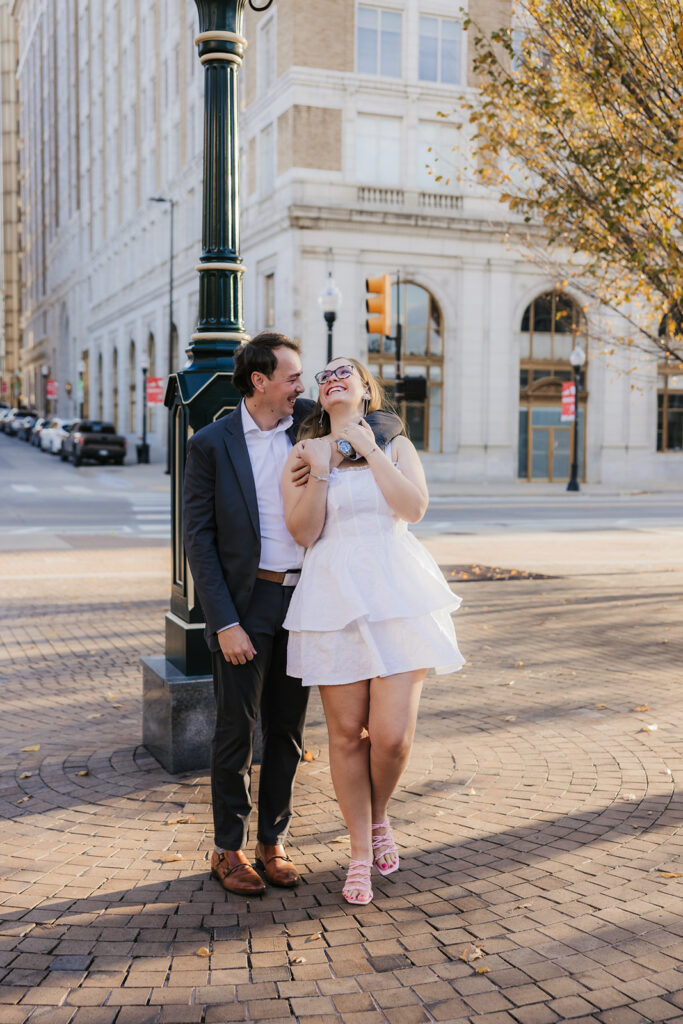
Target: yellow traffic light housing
(378, 302)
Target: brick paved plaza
(537, 822)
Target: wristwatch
(346, 449)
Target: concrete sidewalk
(539, 821)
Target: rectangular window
(378, 42)
(269, 301)
(439, 50)
(266, 56)
(437, 153)
(670, 414)
(267, 176)
(378, 150)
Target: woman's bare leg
(346, 712)
(394, 702)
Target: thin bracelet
(323, 479)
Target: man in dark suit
(245, 566)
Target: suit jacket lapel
(239, 454)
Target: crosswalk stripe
(24, 488)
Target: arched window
(670, 388)
(115, 387)
(132, 373)
(421, 322)
(552, 325)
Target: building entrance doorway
(546, 445)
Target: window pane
(660, 423)
(390, 45)
(415, 341)
(565, 315)
(564, 343)
(415, 423)
(378, 150)
(416, 312)
(523, 442)
(543, 314)
(674, 440)
(435, 418)
(366, 40)
(524, 345)
(542, 349)
(428, 49)
(450, 52)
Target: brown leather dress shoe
(232, 869)
(277, 867)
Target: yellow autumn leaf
(182, 820)
(26, 775)
(471, 953)
(642, 707)
(483, 970)
(471, 791)
(203, 951)
(671, 874)
(313, 938)
(23, 799)
(308, 756)
(167, 858)
(298, 960)
(86, 771)
(600, 706)
(30, 750)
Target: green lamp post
(177, 690)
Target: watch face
(345, 448)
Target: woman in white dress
(372, 611)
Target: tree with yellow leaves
(579, 124)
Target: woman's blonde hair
(317, 423)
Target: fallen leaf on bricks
(166, 858)
(86, 771)
(313, 938)
(649, 728)
(600, 706)
(630, 797)
(642, 707)
(23, 799)
(511, 683)
(30, 750)
(671, 874)
(439, 814)
(471, 953)
(308, 756)
(510, 718)
(26, 775)
(519, 664)
(287, 932)
(483, 970)
(541, 623)
(341, 839)
(298, 960)
(470, 792)
(182, 820)
(203, 951)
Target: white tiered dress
(371, 600)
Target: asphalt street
(46, 503)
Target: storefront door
(546, 444)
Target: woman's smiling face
(341, 391)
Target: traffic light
(378, 302)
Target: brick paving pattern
(537, 822)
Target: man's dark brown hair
(258, 356)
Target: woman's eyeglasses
(340, 372)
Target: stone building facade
(339, 138)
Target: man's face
(284, 387)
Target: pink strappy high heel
(383, 845)
(358, 877)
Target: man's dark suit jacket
(220, 513)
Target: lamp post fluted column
(178, 705)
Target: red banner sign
(51, 389)
(155, 390)
(568, 410)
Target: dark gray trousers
(241, 690)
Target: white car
(51, 438)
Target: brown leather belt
(275, 577)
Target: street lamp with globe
(577, 357)
(143, 448)
(329, 301)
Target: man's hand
(300, 472)
(236, 646)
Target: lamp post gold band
(232, 57)
(219, 336)
(219, 36)
(238, 268)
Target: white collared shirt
(268, 452)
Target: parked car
(37, 430)
(15, 422)
(52, 437)
(26, 426)
(94, 440)
(4, 416)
